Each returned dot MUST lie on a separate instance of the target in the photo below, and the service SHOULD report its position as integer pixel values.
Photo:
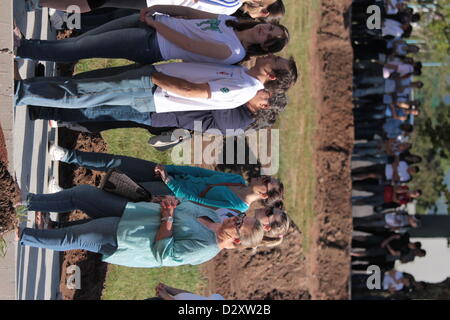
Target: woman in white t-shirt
(255, 9)
(198, 37)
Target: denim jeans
(94, 202)
(99, 17)
(368, 91)
(114, 93)
(141, 171)
(125, 38)
(377, 81)
(96, 115)
(96, 235)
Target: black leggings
(127, 4)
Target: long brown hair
(272, 45)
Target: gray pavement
(36, 272)
(7, 263)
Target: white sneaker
(53, 186)
(57, 153)
(56, 18)
(169, 139)
(53, 124)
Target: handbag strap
(225, 184)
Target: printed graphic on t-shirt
(225, 90)
(223, 73)
(213, 25)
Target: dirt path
(330, 261)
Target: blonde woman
(142, 234)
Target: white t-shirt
(389, 281)
(230, 86)
(396, 220)
(392, 28)
(192, 296)
(402, 68)
(210, 30)
(402, 171)
(227, 7)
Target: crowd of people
(385, 77)
(192, 213)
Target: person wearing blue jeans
(176, 33)
(206, 187)
(126, 37)
(140, 234)
(169, 87)
(97, 234)
(127, 87)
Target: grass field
(296, 159)
(297, 123)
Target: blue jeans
(96, 235)
(141, 171)
(121, 94)
(368, 91)
(377, 81)
(96, 114)
(125, 38)
(99, 17)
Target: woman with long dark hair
(149, 38)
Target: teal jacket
(188, 182)
(191, 242)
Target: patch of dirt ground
(8, 191)
(330, 252)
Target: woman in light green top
(139, 234)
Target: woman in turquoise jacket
(210, 188)
(142, 234)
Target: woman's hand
(150, 21)
(161, 291)
(161, 172)
(169, 202)
(146, 12)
